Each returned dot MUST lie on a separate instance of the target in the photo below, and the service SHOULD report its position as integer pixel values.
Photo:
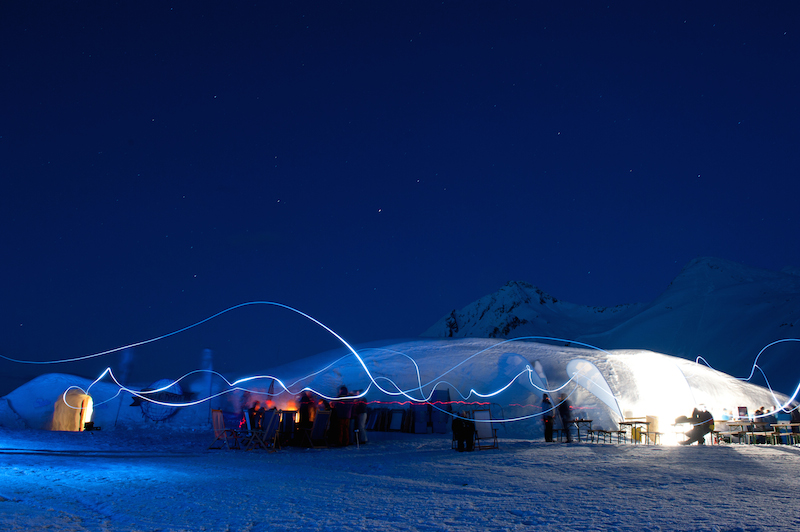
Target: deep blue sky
(375, 164)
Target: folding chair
(421, 416)
(286, 427)
(396, 419)
(318, 431)
(374, 419)
(223, 435)
(485, 433)
(249, 438)
(267, 436)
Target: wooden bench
(607, 436)
(653, 437)
(602, 433)
(622, 436)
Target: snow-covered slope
(718, 309)
(151, 480)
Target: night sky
(374, 164)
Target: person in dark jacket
(464, 432)
(256, 414)
(795, 417)
(360, 413)
(564, 412)
(343, 408)
(702, 423)
(307, 410)
(547, 418)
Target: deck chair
(421, 416)
(485, 433)
(267, 436)
(247, 434)
(228, 438)
(286, 428)
(374, 419)
(396, 419)
(316, 436)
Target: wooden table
(741, 433)
(751, 430)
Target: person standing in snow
(547, 418)
(307, 410)
(361, 419)
(564, 412)
(795, 413)
(464, 432)
(343, 408)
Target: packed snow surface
(165, 480)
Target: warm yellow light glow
(662, 394)
(72, 410)
(86, 411)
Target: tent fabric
(587, 375)
(71, 411)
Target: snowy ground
(134, 480)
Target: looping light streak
(785, 407)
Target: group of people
(346, 410)
(349, 415)
(701, 422)
(563, 409)
(255, 415)
(464, 428)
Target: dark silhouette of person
(547, 418)
(360, 416)
(564, 412)
(795, 417)
(343, 408)
(306, 410)
(702, 423)
(464, 432)
(256, 415)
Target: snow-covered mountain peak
(522, 309)
(715, 308)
